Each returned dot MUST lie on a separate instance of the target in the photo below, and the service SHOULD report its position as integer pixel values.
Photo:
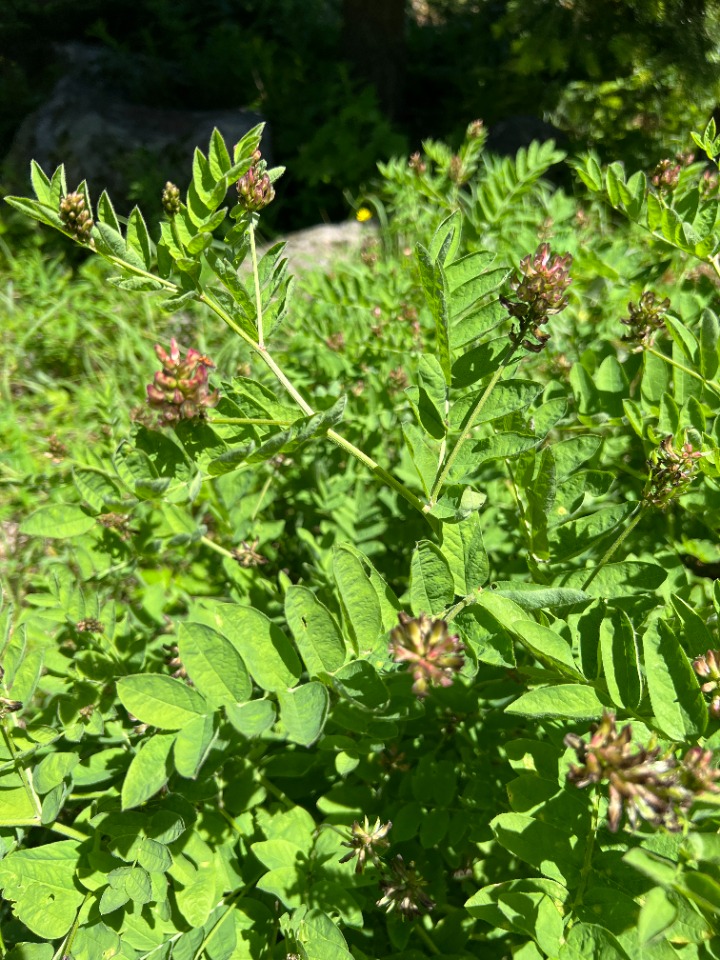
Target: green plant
(451, 618)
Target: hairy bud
(171, 199)
(665, 176)
(76, 217)
(255, 191)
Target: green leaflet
(192, 744)
(677, 701)
(578, 536)
(39, 883)
(359, 598)
(589, 941)
(252, 719)
(544, 846)
(432, 277)
(464, 550)
(503, 905)
(432, 586)
(316, 634)
(264, 648)
(618, 579)
(620, 659)
(446, 239)
(569, 701)
(303, 712)
(148, 771)
(549, 648)
(160, 700)
(57, 520)
(213, 664)
(507, 397)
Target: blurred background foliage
(344, 83)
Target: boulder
(90, 125)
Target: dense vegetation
(628, 76)
(383, 621)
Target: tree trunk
(374, 42)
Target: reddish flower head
(180, 390)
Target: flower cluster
(89, 625)
(403, 890)
(171, 199)
(644, 782)
(119, 522)
(254, 188)
(540, 291)
(247, 554)
(180, 390)
(707, 667)
(432, 653)
(666, 174)
(475, 130)
(76, 217)
(366, 842)
(417, 164)
(646, 317)
(670, 471)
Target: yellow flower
(363, 215)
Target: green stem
(66, 831)
(589, 850)
(274, 791)
(711, 384)
(380, 472)
(337, 438)
(634, 520)
(458, 607)
(261, 421)
(425, 937)
(168, 284)
(216, 547)
(472, 419)
(60, 828)
(256, 276)
(22, 773)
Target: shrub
(396, 649)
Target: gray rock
(88, 124)
(322, 246)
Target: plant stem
(262, 421)
(22, 773)
(273, 790)
(216, 547)
(711, 384)
(471, 421)
(633, 522)
(66, 831)
(458, 607)
(337, 438)
(589, 850)
(425, 937)
(256, 276)
(379, 471)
